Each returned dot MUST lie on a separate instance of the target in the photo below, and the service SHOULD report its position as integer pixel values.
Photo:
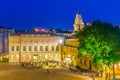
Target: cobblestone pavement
(17, 72)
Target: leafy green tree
(100, 41)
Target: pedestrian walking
(47, 69)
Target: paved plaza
(17, 72)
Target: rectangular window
(12, 48)
(17, 48)
(52, 48)
(57, 48)
(46, 48)
(24, 48)
(30, 48)
(35, 48)
(41, 48)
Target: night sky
(28, 14)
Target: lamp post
(60, 49)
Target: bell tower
(78, 24)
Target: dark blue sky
(28, 14)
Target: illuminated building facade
(71, 51)
(71, 56)
(35, 47)
(78, 24)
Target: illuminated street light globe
(46, 56)
(60, 41)
(36, 30)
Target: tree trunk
(113, 70)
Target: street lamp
(60, 48)
(46, 56)
(60, 41)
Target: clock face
(79, 17)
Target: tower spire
(78, 25)
(78, 12)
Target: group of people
(41, 65)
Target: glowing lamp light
(46, 56)
(17, 55)
(36, 30)
(43, 30)
(60, 41)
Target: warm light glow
(36, 30)
(35, 57)
(23, 55)
(43, 30)
(115, 66)
(17, 55)
(119, 64)
(60, 41)
(68, 60)
(46, 56)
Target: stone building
(26, 47)
(78, 24)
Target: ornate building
(35, 47)
(78, 24)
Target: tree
(100, 41)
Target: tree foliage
(100, 41)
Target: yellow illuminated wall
(78, 25)
(34, 47)
(71, 52)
